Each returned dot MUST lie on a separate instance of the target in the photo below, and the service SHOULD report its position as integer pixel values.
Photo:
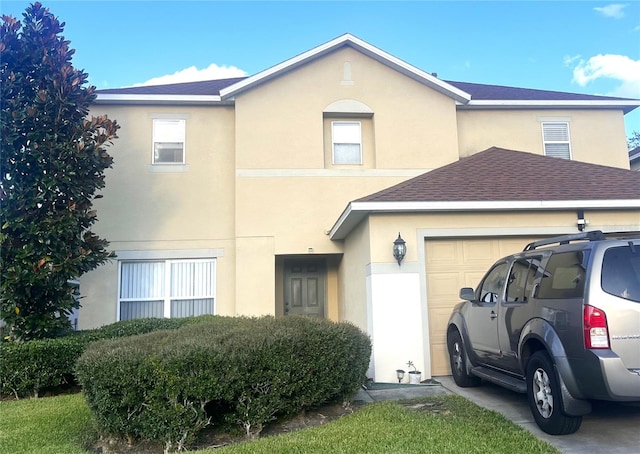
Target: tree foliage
(52, 163)
(633, 142)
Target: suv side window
(523, 274)
(621, 272)
(564, 275)
(491, 287)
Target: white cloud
(570, 60)
(193, 74)
(620, 68)
(615, 10)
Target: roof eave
(357, 211)
(625, 105)
(106, 98)
(364, 47)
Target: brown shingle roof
(497, 174)
(500, 92)
(206, 87)
(477, 91)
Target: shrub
(168, 385)
(26, 368)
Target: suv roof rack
(594, 235)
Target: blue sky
(576, 46)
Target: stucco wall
(147, 208)
(279, 124)
(352, 277)
(597, 136)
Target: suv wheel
(543, 392)
(458, 360)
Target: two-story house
(283, 193)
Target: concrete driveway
(610, 428)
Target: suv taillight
(596, 332)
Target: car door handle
(493, 315)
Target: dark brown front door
(304, 287)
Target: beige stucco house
(282, 193)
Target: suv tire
(458, 362)
(545, 401)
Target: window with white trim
(166, 288)
(555, 137)
(346, 138)
(168, 141)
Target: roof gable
(467, 95)
(359, 45)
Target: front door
(304, 287)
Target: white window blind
(347, 142)
(168, 141)
(556, 141)
(166, 288)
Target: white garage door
(450, 265)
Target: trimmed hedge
(168, 385)
(27, 368)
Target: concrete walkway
(399, 392)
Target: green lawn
(459, 426)
(448, 424)
(49, 425)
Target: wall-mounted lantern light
(399, 249)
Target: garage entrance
(452, 263)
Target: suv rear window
(621, 272)
(564, 275)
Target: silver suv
(560, 322)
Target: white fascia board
(366, 48)
(349, 218)
(411, 71)
(356, 211)
(627, 105)
(107, 98)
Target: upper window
(347, 142)
(555, 136)
(168, 141)
(166, 288)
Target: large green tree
(52, 164)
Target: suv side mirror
(467, 293)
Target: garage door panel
(511, 246)
(476, 252)
(440, 284)
(440, 360)
(452, 264)
(442, 253)
(438, 320)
